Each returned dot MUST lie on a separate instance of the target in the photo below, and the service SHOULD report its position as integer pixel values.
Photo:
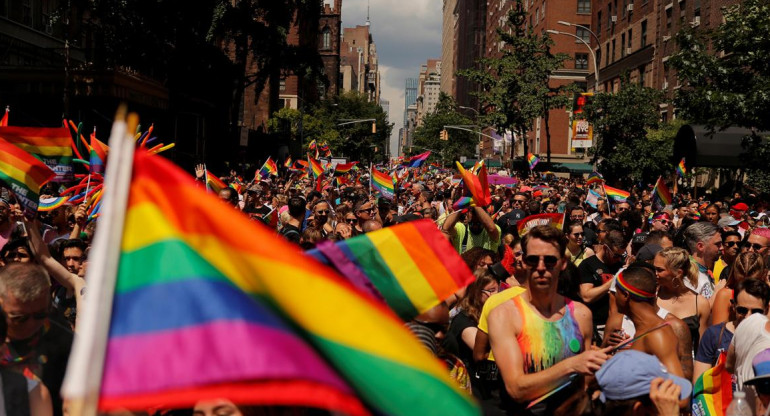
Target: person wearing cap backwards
(635, 383)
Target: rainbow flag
(660, 194)
(312, 145)
(238, 187)
(681, 169)
(532, 160)
(616, 194)
(383, 183)
(712, 391)
(594, 178)
(316, 167)
(528, 223)
(50, 204)
(324, 149)
(411, 266)
(50, 145)
(417, 160)
(474, 186)
(321, 344)
(97, 155)
(4, 119)
(269, 168)
(23, 174)
(287, 163)
(344, 167)
(213, 183)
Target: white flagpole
(83, 379)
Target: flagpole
(607, 197)
(82, 382)
(371, 178)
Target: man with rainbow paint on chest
(540, 339)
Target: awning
(575, 167)
(490, 163)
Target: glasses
(534, 261)
(763, 388)
(366, 209)
(578, 234)
(576, 217)
(351, 220)
(663, 221)
(489, 292)
(322, 212)
(621, 209)
(754, 246)
(742, 310)
(519, 201)
(20, 319)
(731, 244)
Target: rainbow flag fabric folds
(269, 168)
(287, 162)
(475, 187)
(321, 344)
(344, 167)
(712, 391)
(213, 183)
(528, 223)
(617, 195)
(417, 160)
(410, 266)
(594, 178)
(532, 160)
(316, 167)
(50, 145)
(50, 204)
(681, 169)
(23, 174)
(661, 194)
(383, 183)
(4, 119)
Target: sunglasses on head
(742, 310)
(534, 261)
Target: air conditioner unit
(665, 85)
(630, 7)
(629, 51)
(614, 19)
(666, 38)
(695, 21)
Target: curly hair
(472, 303)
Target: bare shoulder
(503, 314)
(679, 328)
(581, 310)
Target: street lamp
(562, 22)
(469, 108)
(593, 54)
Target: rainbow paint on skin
(545, 343)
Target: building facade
(359, 63)
(429, 88)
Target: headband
(636, 293)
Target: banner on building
(582, 134)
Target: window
(622, 45)
(282, 84)
(696, 8)
(537, 15)
(644, 33)
(326, 42)
(669, 15)
(613, 50)
(609, 16)
(625, 8)
(599, 22)
(583, 33)
(607, 59)
(598, 56)
(630, 43)
(581, 61)
(26, 12)
(584, 6)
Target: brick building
(428, 88)
(359, 63)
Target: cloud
(407, 33)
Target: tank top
(544, 343)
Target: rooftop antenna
(367, 13)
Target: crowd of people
(618, 309)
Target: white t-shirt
(750, 338)
(705, 287)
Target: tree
(621, 122)
(460, 143)
(515, 88)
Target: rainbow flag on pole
(268, 168)
(618, 195)
(23, 174)
(344, 167)
(532, 160)
(411, 266)
(661, 194)
(50, 145)
(383, 183)
(712, 391)
(321, 344)
(316, 167)
(681, 169)
(97, 155)
(213, 183)
(594, 178)
(287, 163)
(417, 160)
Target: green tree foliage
(460, 143)
(624, 146)
(515, 88)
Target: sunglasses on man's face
(731, 244)
(763, 387)
(351, 220)
(754, 246)
(742, 310)
(534, 261)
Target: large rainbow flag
(23, 174)
(411, 266)
(712, 391)
(50, 145)
(383, 183)
(616, 194)
(200, 311)
(532, 221)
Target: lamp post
(593, 54)
(477, 119)
(598, 43)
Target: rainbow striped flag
(50, 145)
(50, 204)
(594, 178)
(475, 186)
(213, 183)
(528, 223)
(238, 187)
(681, 169)
(661, 195)
(97, 155)
(23, 174)
(322, 344)
(269, 168)
(344, 167)
(383, 183)
(417, 160)
(712, 391)
(316, 167)
(411, 266)
(287, 162)
(618, 195)
(532, 160)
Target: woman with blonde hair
(748, 265)
(672, 266)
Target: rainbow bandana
(636, 293)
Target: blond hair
(679, 259)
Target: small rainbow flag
(661, 194)
(287, 162)
(383, 183)
(312, 145)
(238, 187)
(23, 174)
(97, 155)
(616, 194)
(681, 169)
(417, 160)
(344, 167)
(316, 167)
(594, 178)
(269, 168)
(532, 160)
(411, 266)
(528, 223)
(213, 183)
(712, 391)
(50, 145)
(322, 344)
(50, 204)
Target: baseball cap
(740, 207)
(629, 373)
(727, 222)
(648, 252)
(761, 365)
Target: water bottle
(739, 406)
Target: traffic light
(444, 135)
(578, 106)
(374, 128)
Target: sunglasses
(742, 310)
(753, 246)
(578, 234)
(20, 319)
(322, 212)
(663, 221)
(763, 388)
(489, 292)
(518, 201)
(576, 217)
(351, 220)
(534, 261)
(730, 244)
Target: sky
(406, 33)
